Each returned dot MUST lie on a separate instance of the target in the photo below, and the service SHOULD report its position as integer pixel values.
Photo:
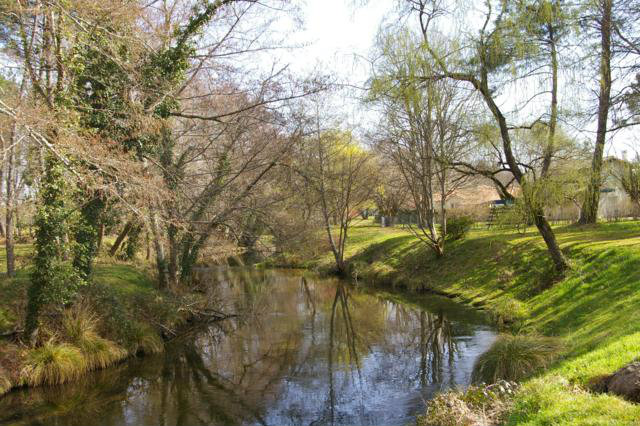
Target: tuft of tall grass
(146, 340)
(514, 357)
(53, 364)
(80, 328)
(5, 383)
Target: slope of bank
(120, 314)
(595, 308)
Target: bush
(515, 357)
(53, 364)
(458, 227)
(7, 320)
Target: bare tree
(340, 174)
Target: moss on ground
(595, 307)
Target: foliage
(7, 320)
(86, 235)
(52, 364)
(132, 245)
(458, 227)
(515, 357)
(630, 180)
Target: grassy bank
(119, 315)
(595, 308)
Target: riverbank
(121, 314)
(594, 308)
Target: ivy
(53, 281)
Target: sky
(338, 36)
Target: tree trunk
(589, 212)
(161, 263)
(100, 236)
(9, 240)
(541, 222)
(559, 261)
(123, 234)
(172, 265)
(147, 255)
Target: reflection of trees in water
(437, 341)
(318, 334)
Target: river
(304, 350)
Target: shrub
(115, 319)
(515, 357)
(53, 364)
(458, 227)
(79, 326)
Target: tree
(390, 196)
(487, 56)
(629, 177)
(604, 23)
(340, 174)
(423, 133)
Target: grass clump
(5, 383)
(80, 328)
(146, 340)
(53, 364)
(509, 311)
(515, 357)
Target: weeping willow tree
(421, 132)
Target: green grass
(594, 308)
(109, 324)
(515, 357)
(53, 364)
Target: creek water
(304, 350)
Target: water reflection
(304, 351)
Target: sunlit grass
(52, 364)
(594, 308)
(515, 357)
(80, 328)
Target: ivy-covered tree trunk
(133, 242)
(161, 262)
(52, 279)
(87, 235)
